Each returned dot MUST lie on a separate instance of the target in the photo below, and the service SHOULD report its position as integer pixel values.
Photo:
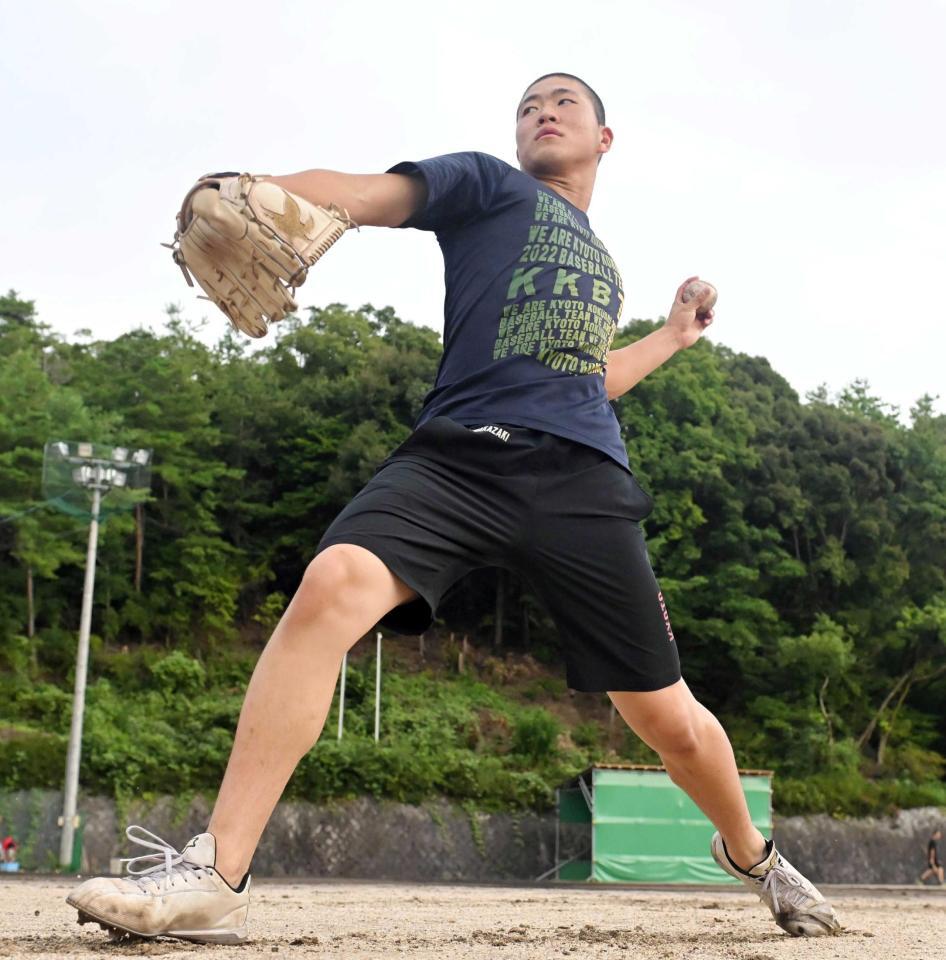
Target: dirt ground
(357, 921)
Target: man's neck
(576, 187)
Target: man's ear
(607, 138)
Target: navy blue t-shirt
(532, 303)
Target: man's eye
(527, 109)
(566, 100)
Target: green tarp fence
(645, 829)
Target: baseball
(698, 290)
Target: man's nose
(548, 115)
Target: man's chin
(547, 164)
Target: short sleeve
(460, 187)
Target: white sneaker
(182, 895)
(795, 902)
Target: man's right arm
(372, 200)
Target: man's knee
(335, 581)
(676, 734)
(349, 582)
(669, 721)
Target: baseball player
(516, 461)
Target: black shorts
(562, 515)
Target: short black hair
(595, 99)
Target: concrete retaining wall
(872, 850)
(372, 839)
(361, 838)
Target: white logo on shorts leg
(666, 616)
(495, 431)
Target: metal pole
(78, 700)
(377, 693)
(558, 831)
(341, 696)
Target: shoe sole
(117, 931)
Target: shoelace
(776, 875)
(165, 862)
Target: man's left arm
(629, 365)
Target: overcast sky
(793, 153)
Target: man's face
(556, 128)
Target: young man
(517, 461)
(933, 867)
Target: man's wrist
(672, 337)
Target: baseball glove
(249, 243)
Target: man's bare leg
(344, 592)
(932, 872)
(699, 758)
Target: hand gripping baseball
(692, 310)
(704, 293)
(249, 244)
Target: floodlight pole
(377, 692)
(341, 696)
(78, 701)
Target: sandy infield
(366, 920)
